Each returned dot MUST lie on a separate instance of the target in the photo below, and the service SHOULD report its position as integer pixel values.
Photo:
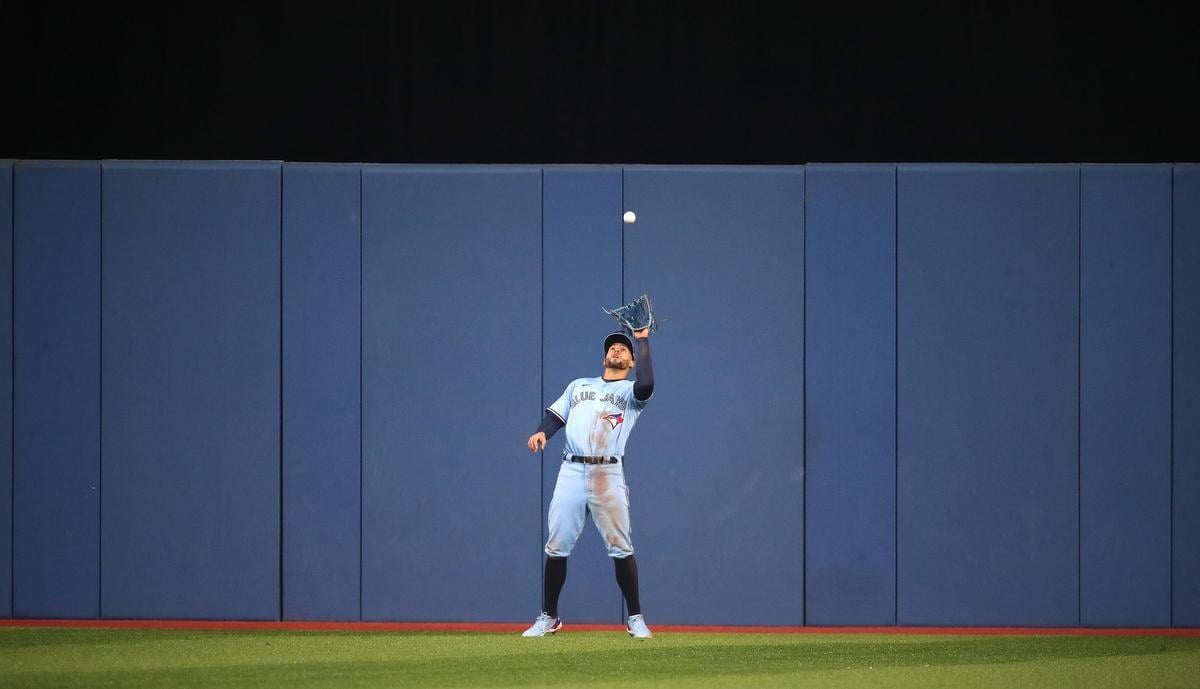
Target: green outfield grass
(43, 657)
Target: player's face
(618, 357)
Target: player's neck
(611, 374)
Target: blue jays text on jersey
(589, 395)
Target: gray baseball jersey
(599, 415)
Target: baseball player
(599, 413)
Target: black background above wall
(601, 82)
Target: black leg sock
(627, 579)
(556, 575)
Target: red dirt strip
(509, 627)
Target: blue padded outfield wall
(716, 463)
(56, 390)
(190, 460)
(1185, 490)
(1125, 396)
(322, 479)
(886, 394)
(582, 239)
(850, 406)
(6, 417)
(987, 405)
(451, 339)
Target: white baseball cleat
(636, 626)
(543, 625)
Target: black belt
(581, 459)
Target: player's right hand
(537, 441)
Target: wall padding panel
(451, 391)
(582, 219)
(1185, 523)
(716, 464)
(56, 510)
(6, 265)
(987, 411)
(850, 410)
(191, 391)
(321, 393)
(1125, 396)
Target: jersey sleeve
(562, 406)
(637, 403)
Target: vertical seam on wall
(623, 611)
(360, 393)
(12, 393)
(896, 394)
(804, 392)
(100, 417)
(541, 373)
(622, 209)
(281, 417)
(1079, 396)
(1171, 418)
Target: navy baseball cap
(619, 337)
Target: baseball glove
(636, 315)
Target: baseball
(630, 217)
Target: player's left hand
(642, 334)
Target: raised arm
(643, 385)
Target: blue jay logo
(614, 420)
